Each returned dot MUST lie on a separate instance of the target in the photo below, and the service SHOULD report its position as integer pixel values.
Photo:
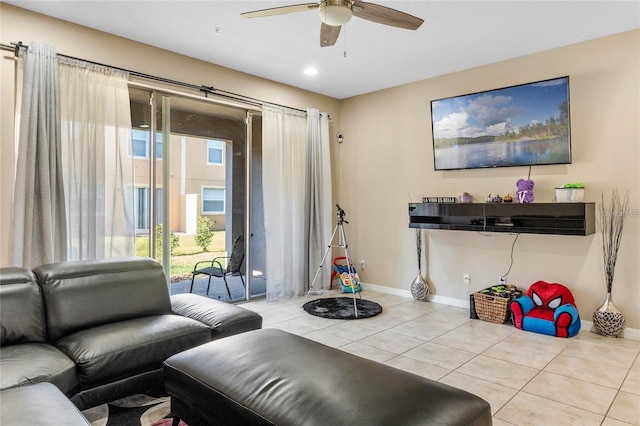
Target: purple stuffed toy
(525, 191)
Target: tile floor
(528, 378)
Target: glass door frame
(249, 206)
(164, 102)
(161, 97)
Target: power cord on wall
(503, 278)
(342, 188)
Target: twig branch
(611, 223)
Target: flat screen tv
(522, 125)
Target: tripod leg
(326, 252)
(345, 245)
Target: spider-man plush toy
(547, 309)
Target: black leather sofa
(40, 404)
(101, 330)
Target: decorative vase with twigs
(419, 287)
(607, 319)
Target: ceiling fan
(335, 13)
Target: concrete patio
(218, 291)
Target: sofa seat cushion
(114, 351)
(41, 404)
(28, 363)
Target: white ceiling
(456, 35)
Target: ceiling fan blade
(387, 16)
(280, 10)
(328, 35)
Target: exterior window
(213, 200)
(142, 207)
(141, 144)
(158, 146)
(215, 152)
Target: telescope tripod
(342, 243)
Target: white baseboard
(449, 301)
(629, 333)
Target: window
(142, 207)
(158, 146)
(215, 152)
(141, 144)
(213, 200)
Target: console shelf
(530, 218)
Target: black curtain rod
(15, 47)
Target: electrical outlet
(466, 278)
(502, 280)
(363, 264)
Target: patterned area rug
(342, 308)
(134, 410)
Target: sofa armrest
(224, 319)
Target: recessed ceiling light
(310, 71)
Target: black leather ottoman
(270, 377)
(41, 404)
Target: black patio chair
(214, 268)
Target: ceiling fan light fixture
(310, 71)
(335, 12)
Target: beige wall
(386, 159)
(390, 131)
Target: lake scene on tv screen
(515, 126)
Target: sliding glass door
(192, 186)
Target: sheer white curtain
(320, 196)
(285, 185)
(98, 170)
(73, 194)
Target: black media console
(531, 218)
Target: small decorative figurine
(466, 198)
(525, 190)
(507, 198)
(488, 199)
(497, 199)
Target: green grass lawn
(186, 255)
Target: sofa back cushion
(84, 294)
(21, 307)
